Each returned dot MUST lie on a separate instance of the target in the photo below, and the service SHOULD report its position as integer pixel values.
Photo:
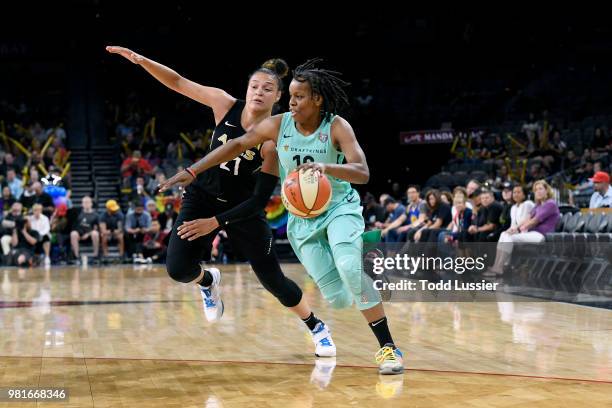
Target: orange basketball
(306, 194)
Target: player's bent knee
(349, 264)
(181, 269)
(271, 276)
(340, 300)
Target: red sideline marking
(310, 364)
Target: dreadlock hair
(325, 83)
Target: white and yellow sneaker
(390, 361)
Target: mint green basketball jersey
(295, 149)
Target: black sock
(207, 279)
(311, 321)
(381, 331)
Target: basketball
(306, 193)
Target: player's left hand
(191, 230)
(320, 167)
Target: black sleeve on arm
(266, 183)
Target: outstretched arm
(215, 98)
(260, 133)
(355, 170)
(267, 179)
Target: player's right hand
(125, 53)
(182, 178)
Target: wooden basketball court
(129, 336)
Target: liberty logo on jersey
(323, 137)
(286, 147)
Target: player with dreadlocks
(312, 136)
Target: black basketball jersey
(234, 181)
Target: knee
(340, 300)
(95, 235)
(347, 263)
(181, 269)
(441, 237)
(271, 277)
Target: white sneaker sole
(327, 354)
(391, 370)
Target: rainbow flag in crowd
(277, 216)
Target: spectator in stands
(134, 166)
(583, 174)
(9, 224)
(7, 200)
(44, 199)
(536, 172)
(507, 202)
(372, 211)
(462, 191)
(154, 244)
(438, 218)
(503, 175)
(414, 217)
(112, 222)
(8, 162)
(498, 149)
(602, 197)
(60, 228)
(600, 140)
(137, 224)
(571, 160)
(14, 183)
(160, 178)
(471, 187)
(558, 146)
(521, 209)
(86, 228)
(28, 197)
(597, 166)
(23, 244)
(39, 222)
(446, 197)
(486, 227)
(532, 124)
(167, 218)
(395, 211)
(542, 220)
(457, 229)
(140, 192)
(383, 197)
(151, 208)
(34, 176)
